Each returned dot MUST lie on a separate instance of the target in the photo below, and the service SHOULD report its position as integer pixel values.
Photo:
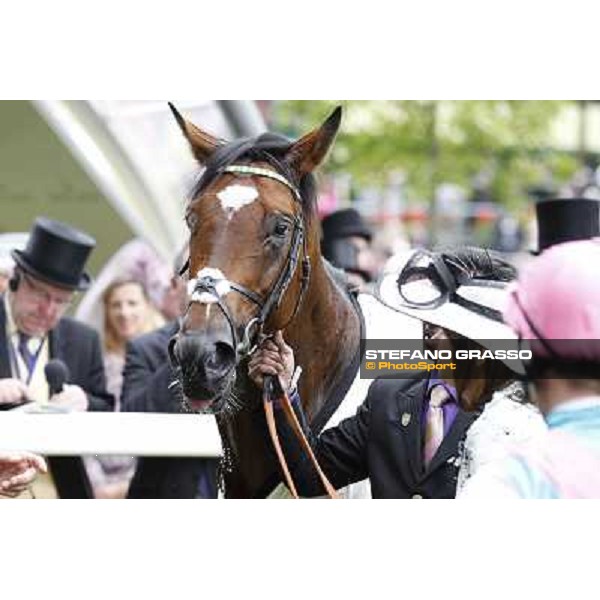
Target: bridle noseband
(206, 287)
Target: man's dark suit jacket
(78, 346)
(383, 442)
(146, 382)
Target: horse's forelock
(267, 147)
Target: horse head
(253, 237)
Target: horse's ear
(308, 152)
(203, 144)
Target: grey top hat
(56, 253)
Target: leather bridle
(254, 329)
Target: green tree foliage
(435, 141)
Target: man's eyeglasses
(42, 295)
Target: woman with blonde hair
(128, 313)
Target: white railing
(135, 434)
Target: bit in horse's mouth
(216, 403)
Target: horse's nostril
(224, 354)
(204, 363)
(220, 361)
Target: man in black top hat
(33, 331)
(566, 220)
(346, 244)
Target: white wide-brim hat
(450, 315)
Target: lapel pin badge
(406, 419)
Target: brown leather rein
(292, 419)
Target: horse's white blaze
(222, 286)
(236, 196)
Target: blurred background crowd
(418, 172)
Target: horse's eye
(281, 229)
(192, 220)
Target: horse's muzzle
(206, 365)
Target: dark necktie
(28, 358)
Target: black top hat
(566, 220)
(56, 253)
(345, 223)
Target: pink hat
(557, 297)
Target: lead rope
(296, 427)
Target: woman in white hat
(406, 436)
(461, 294)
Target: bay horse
(255, 267)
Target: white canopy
(135, 153)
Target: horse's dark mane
(267, 147)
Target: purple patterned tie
(28, 357)
(434, 424)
